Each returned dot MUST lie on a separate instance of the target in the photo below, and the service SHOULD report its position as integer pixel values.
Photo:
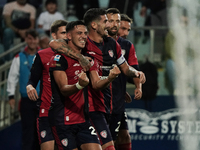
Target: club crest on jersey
(43, 134)
(57, 57)
(123, 52)
(103, 133)
(92, 62)
(64, 142)
(110, 52)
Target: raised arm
(98, 83)
(60, 46)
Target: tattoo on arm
(131, 72)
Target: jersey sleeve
(58, 62)
(94, 65)
(13, 77)
(36, 71)
(132, 58)
(120, 57)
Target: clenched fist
(113, 73)
(83, 79)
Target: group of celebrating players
(83, 78)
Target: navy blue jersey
(107, 54)
(119, 84)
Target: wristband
(79, 86)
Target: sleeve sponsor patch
(57, 58)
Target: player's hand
(31, 92)
(57, 45)
(128, 98)
(83, 79)
(113, 73)
(138, 94)
(140, 74)
(12, 103)
(85, 62)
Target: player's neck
(114, 36)
(94, 36)
(74, 48)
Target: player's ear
(53, 35)
(94, 25)
(69, 37)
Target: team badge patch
(43, 134)
(57, 57)
(103, 133)
(110, 52)
(64, 142)
(92, 62)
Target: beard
(102, 33)
(112, 33)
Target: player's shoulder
(110, 41)
(45, 51)
(125, 41)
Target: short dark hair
(124, 17)
(93, 14)
(70, 26)
(32, 32)
(50, 1)
(56, 24)
(112, 11)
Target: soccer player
(125, 26)
(40, 71)
(107, 52)
(68, 80)
(118, 125)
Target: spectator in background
(44, 41)
(125, 7)
(19, 17)
(49, 16)
(20, 71)
(157, 17)
(80, 10)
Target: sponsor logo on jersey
(64, 142)
(103, 133)
(110, 52)
(43, 134)
(57, 57)
(93, 53)
(76, 64)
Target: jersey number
(93, 132)
(117, 129)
